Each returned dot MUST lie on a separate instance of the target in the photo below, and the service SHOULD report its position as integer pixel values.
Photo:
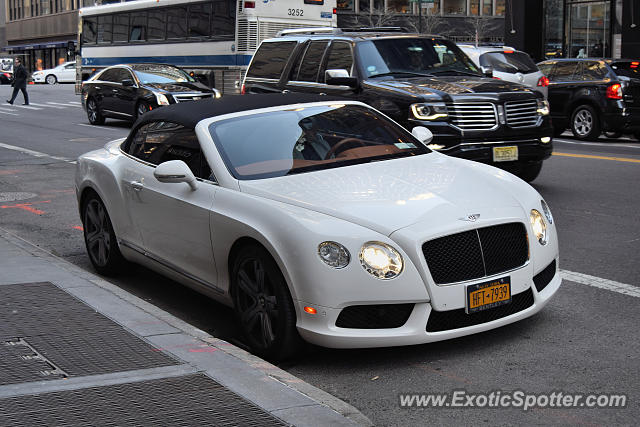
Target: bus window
(157, 25)
(138, 31)
(121, 28)
(223, 22)
(199, 17)
(177, 23)
(89, 30)
(105, 28)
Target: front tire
(51, 79)
(142, 108)
(263, 305)
(585, 123)
(99, 237)
(93, 112)
(530, 171)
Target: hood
(389, 195)
(179, 87)
(447, 85)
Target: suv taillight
(543, 81)
(614, 91)
(242, 91)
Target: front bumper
(38, 78)
(320, 328)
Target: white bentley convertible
(319, 219)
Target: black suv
(592, 96)
(127, 91)
(417, 80)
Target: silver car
(508, 64)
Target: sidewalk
(75, 349)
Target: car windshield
(305, 139)
(627, 69)
(164, 74)
(413, 56)
(509, 62)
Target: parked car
(508, 64)
(6, 70)
(319, 218)
(417, 80)
(63, 73)
(591, 96)
(5, 78)
(128, 91)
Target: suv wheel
(585, 123)
(93, 112)
(530, 171)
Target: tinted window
(177, 23)
(89, 30)
(270, 59)
(412, 56)
(138, 30)
(627, 69)
(122, 74)
(110, 75)
(105, 29)
(160, 142)
(306, 139)
(546, 68)
(157, 25)
(513, 62)
(121, 28)
(199, 17)
(565, 71)
(311, 62)
(223, 22)
(340, 57)
(593, 70)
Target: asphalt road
(586, 341)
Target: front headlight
(429, 111)
(334, 254)
(380, 260)
(539, 226)
(547, 211)
(161, 99)
(543, 107)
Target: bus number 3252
(295, 12)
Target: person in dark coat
(19, 82)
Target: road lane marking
(96, 127)
(65, 105)
(597, 282)
(589, 156)
(7, 112)
(46, 105)
(34, 153)
(27, 107)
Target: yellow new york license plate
(505, 154)
(493, 293)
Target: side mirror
(423, 134)
(340, 78)
(487, 71)
(175, 171)
(127, 82)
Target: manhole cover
(14, 196)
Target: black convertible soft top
(188, 114)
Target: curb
(266, 368)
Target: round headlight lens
(380, 260)
(539, 226)
(334, 254)
(547, 211)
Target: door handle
(136, 185)
(285, 91)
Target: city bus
(213, 40)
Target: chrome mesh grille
(473, 115)
(522, 114)
(184, 97)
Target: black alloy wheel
(263, 305)
(585, 123)
(142, 108)
(99, 237)
(93, 112)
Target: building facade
(575, 28)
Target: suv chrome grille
(477, 253)
(522, 114)
(473, 115)
(183, 97)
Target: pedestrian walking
(19, 82)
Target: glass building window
(487, 7)
(474, 7)
(399, 6)
(454, 7)
(500, 7)
(345, 4)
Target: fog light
(545, 139)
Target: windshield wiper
(466, 73)
(394, 73)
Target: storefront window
(500, 7)
(429, 8)
(345, 4)
(399, 6)
(588, 29)
(474, 7)
(553, 29)
(487, 7)
(454, 7)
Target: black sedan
(129, 90)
